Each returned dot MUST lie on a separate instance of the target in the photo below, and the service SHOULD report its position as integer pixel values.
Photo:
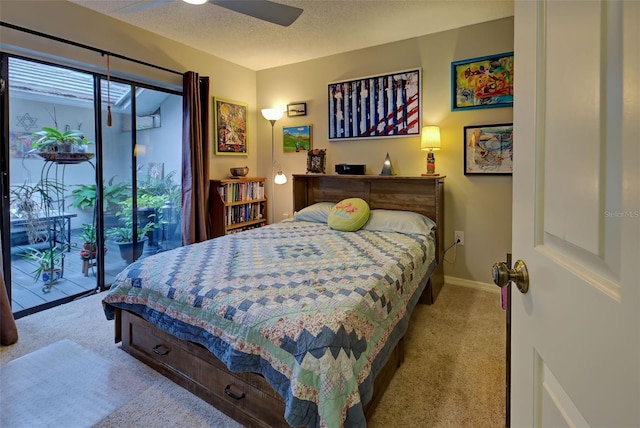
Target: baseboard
(484, 286)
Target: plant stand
(53, 171)
(88, 258)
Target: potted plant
(84, 195)
(164, 196)
(130, 248)
(89, 246)
(29, 205)
(89, 239)
(68, 146)
(48, 264)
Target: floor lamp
(272, 115)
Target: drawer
(240, 395)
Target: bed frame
(248, 397)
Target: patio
(27, 294)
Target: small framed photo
(488, 149)
(482, 82)
(230, 125)
(296, 109)
(316, 161)
(296, 138)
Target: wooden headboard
(424, 195)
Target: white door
(576, 214)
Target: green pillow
(348, 215)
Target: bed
(293, 324)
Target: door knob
(502, 275)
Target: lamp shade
(430, 138)
(272, 113)
(280, 178)
(195, 1)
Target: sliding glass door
(141, 169)
(80, 186)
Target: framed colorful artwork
(488, 149)
(296, 138)
(20, 144)
(387, 105)
(230, 125)
(482, 82)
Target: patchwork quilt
(314, 310)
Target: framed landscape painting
(230, 124)
(296, 138)
(387, 105)
(488, 149)
(482, 82)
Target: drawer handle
(227, 391)
(161, 350)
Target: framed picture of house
(382, 106)
(296, 138)
(482, 82)
(230, 125)
(488, 149)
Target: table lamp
(430, 141)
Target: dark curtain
(195, 158)
(8, 329)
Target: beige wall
(478, 205)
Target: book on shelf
(236, 192)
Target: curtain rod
(91, 48)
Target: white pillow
(316, 213)
(406, 222)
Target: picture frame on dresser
(230, 125)
(316, 160)
(482, 82)
(488, 149)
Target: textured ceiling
(324, 28)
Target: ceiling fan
(265, 10)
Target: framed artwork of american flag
(387, 105)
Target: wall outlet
(285, 215)
(459, 237)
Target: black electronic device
(350, 169)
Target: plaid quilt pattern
(314, 310)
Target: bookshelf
(238, 204)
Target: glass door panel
(158, 153)
(51, 119)
(117, 171)
(148, 160)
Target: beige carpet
(76, 388)
(453, 374)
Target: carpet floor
(78, 388)
(453, 374)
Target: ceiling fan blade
(141, 5)
(262, 9)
